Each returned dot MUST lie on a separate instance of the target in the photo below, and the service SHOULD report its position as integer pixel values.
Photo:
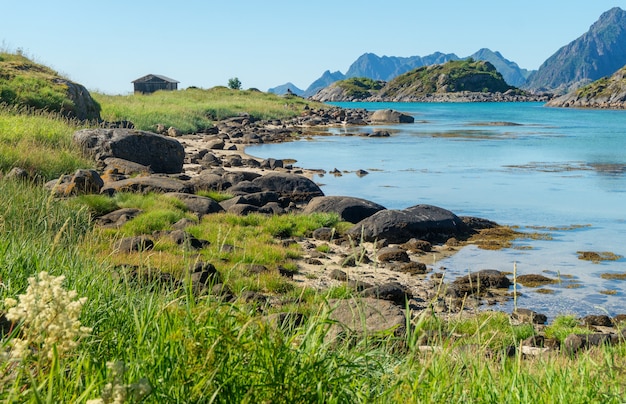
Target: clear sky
(104, 45)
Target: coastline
(427, 284)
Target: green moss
(360, 87)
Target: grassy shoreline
(179, 347)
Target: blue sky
(104, 45)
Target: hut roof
(151, 76)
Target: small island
(455, 81)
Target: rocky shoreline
(336, 94)
(388, 256)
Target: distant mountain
(608, 92)
(511, 72)
(386, 68)
(327, 79)
(599, 52)
(282, 89)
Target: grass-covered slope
(453, 76)
(28, 84)
(195, 109)
(607, 92)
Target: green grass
(195, 109)
(200, 349)
(38, 142)
(25, 83)
(360, 87)
(205, 349)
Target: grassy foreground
(175, 347)
(140, 342)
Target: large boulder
(85, 107)
(390, 116)
(148, 184)
(479, 282)
(365, 316)
(162, 154)
(425, 222)
(349, 209)
(200, 205)
(291, 186)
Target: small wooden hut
(153, 82)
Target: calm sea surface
(560, 172)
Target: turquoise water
(515, 163)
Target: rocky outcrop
(425, 222)
(606, 93)
(160, 153)
(390, 116)
(349, 209)
(84, 106)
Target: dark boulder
(424, 222)
(392, 254)
(348, 208)
(162, 154)
(244, 188)
(478, 283)
(291, 186)
(187, 240)
(131, 244)
(601, 320)
(529, 316)
(203, 275)
(363, 317)
(200, 205)
(242, 209)
(121, 166)
(392, 291)
(81, 183)
(209, 180)
(148, 184)
(118, 217)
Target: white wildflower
(117, 392)
(49, 318)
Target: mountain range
(386, 68)
(600, 52)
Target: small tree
(234, 84)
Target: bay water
(557, 172)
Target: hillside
(608, 92)
(386, 68)
(24, 83)
(447, 81)
(599, 52)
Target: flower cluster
(117, 392)
(48, 315)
